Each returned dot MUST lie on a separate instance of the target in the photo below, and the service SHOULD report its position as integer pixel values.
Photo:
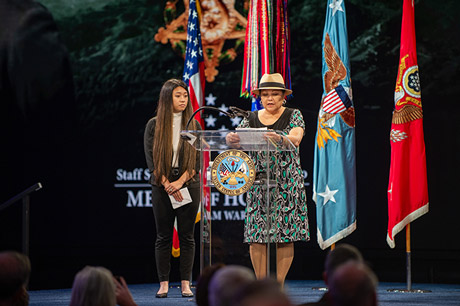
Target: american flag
(193, 74)
(336, 100)
(223, 170)
(194, 77)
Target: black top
(279, 124)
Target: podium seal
(233, 172)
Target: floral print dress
(288, 202)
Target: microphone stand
(231, 115)
(235, 112)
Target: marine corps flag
(334, 174)
(407, 188)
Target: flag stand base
(408, 291)
(319, 288)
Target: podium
(210, 143)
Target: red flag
(407, 188)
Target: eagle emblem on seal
(233, 172)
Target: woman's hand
(175, 186)
(122, 293)
(275, 137)
(178, 196)
(232, 139)
(172, 187)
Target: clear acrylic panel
(210, 143)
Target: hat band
(271, 84)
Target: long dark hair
(162, 143)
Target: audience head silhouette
(353, 284)
(339, 255)
(93, 286)
(202, 286)
(265, 292)
(226, 282)
(14, 277)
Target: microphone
(231, 115)
(238, 112)
(234, 112)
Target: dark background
(80, 218)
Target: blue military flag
(334, 173)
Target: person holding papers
(173, 166)
(288, 209)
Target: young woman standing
(173, 165)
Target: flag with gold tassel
(407, 187)
(334, 167)
(267, 45)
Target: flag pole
(408, 258)
(408, 159)
(324, 288)
(408, 268)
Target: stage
(298, 292)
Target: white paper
(250, 138)
(187, 198)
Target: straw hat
(272, 81)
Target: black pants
(164, 219)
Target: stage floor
(298, 291)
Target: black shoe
(187, 294)
(162, 295)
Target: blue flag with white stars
(334, 169)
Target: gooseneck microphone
(234, 112)
(238, 112)
(231, 115)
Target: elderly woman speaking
(288, 202)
